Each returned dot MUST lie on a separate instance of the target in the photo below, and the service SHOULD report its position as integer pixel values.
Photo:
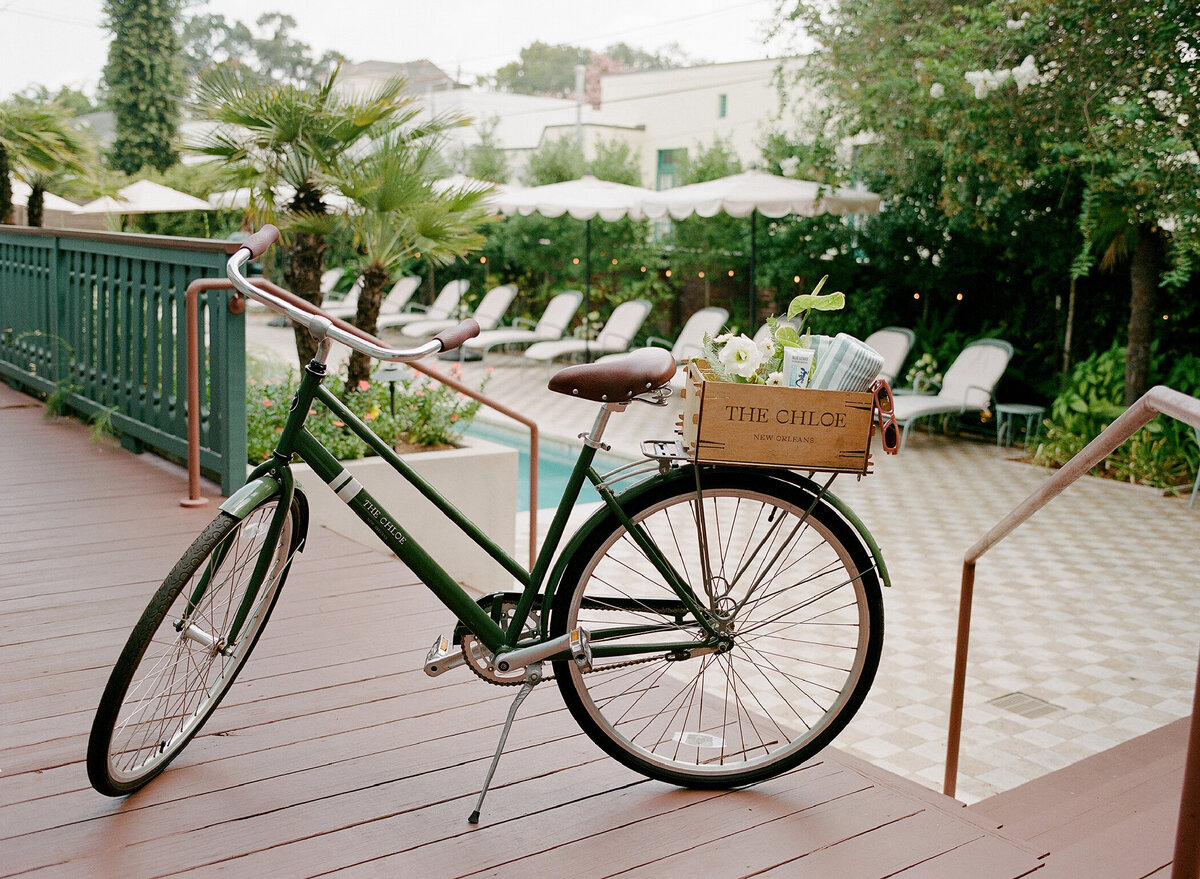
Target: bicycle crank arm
(442, 657)
(576, 642)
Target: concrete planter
(480, 479)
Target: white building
(662, 114)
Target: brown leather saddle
(618, 378)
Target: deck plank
(334, 752)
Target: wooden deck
(335, 753)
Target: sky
(63, 42)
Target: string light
(483, 259)
(668, 273)
(575, 260)
(731, 273)
(614, 262)
(701, 274)
(643, 268)
(959, 297)
(795, 279)
(916, 296)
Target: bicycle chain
(517, 683)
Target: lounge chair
(394, 301)
(487, 314)
(617, 335)
(443, 308)
(329, 278)
(893, 343)
(554, 322)
(690, 341)
(968, 385)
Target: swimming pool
(555, 462)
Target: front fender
(262, 489)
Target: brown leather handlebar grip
(261, 240)
(452, 337)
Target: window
(668, 168)
(722, 105)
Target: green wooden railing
(101, 317)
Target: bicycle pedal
(442, 657)
(581, 649)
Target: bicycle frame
(296, 442)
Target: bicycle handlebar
(321, 325)
(258, 243)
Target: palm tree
(286, 142)
(35, 139)
(399, 213)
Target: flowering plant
(923, 375)
(740, 359)
(415, 412)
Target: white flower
(937, 90)
(767, 346)
(775, 379)
(723, 338)
(741, 356)
(789, 166)
(980, 79)
(1026, 74)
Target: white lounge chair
(690, 341)
(552, 325)
(617, 335)
(329, 278)
(893, 343)
(969, 385)
(487, 314)
(443, 308)
(394, 301)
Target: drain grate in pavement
(1025, 705)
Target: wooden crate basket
(758, 425)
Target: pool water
(556, 459)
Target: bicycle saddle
(617, 378)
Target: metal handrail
(193, 390)
(1158, 400)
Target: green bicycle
(709, 625)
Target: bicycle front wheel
(184, 652)
(791, 591)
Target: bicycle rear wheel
(180, 660)
(790, 585)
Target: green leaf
(812, 302)
(788, 337)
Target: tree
(286, 142)
(35, 139)
(400, 214)
(273, 53)
(1003, 115)
(543, 70)
(484, 160)
(144, 82)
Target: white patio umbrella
(50, 202)
(145, 197)
(757, 192)
(239, 199)
(582, 199)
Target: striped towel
(845, 364)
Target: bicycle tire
(168, 679)
(805, 625)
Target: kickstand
(526, 688)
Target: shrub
(1163, 454)
(426, 414)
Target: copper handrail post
(193, 393)
(1157, 400)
